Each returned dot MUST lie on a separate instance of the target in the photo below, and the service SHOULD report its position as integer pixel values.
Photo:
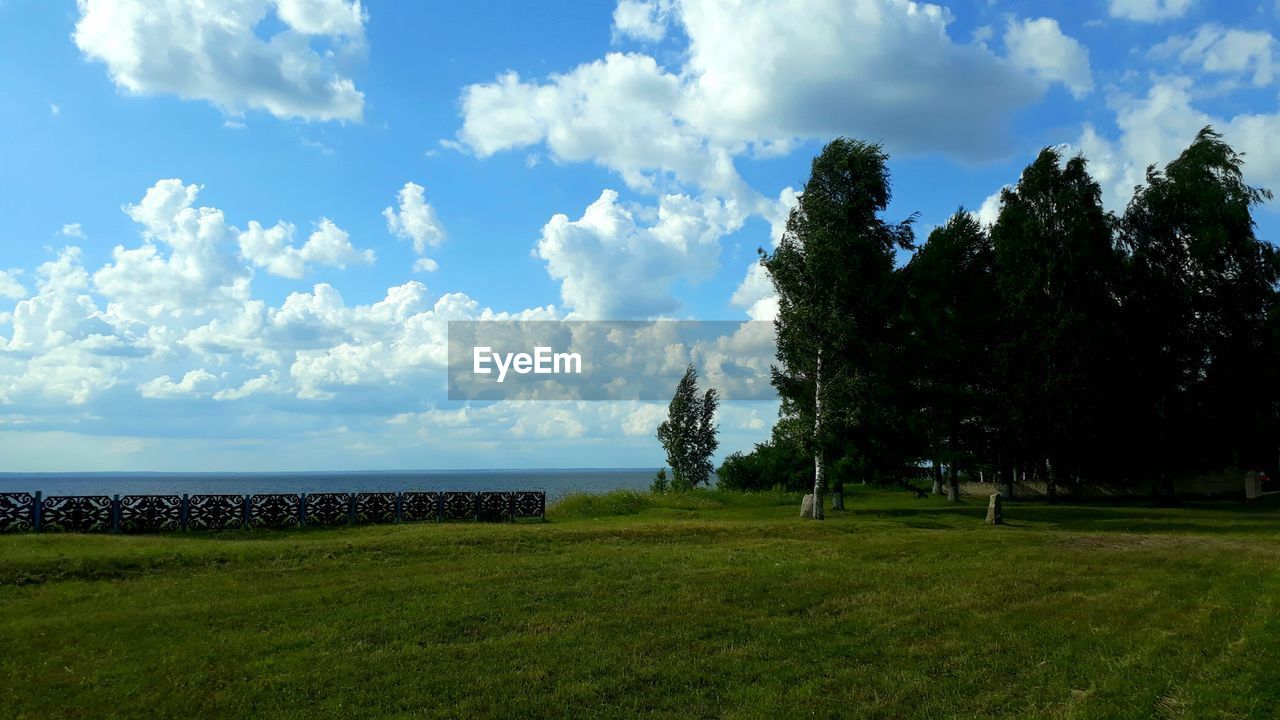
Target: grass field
(703, 605)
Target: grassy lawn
(706, 605)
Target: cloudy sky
(231, 232)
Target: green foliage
(660, 482)
(689, 433)
(1201, 305)
(833, 273)
(1062, 344)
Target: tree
(952, 311)
(833, 273)
(1201, 306)
(689, 433)
(1057, 268)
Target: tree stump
(995, 515)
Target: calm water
(556, 483)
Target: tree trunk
(953, 475)
(837, 500)
(937, 477)
(1006, 479)
(819, 466)
(1050, 485)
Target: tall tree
(833, 272)
(1057, 268)
(689, 433)
(1200, 291)
(952, 309)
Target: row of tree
(1062, 342)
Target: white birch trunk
(819, 467)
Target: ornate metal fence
(22, 512)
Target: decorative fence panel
(375, 507)
(274, 510)
(77, 513)
(328, 508)
(215, 512)
(459, 506)
(495, 506)
(419, 506)
(17, 512)
(20, 511)
(150, 513)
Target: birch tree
(833, 273)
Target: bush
(660, 484)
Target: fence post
(475, 509)
(184, 511)
(440, 506)
(542, 504)
(36, 511)
(244, 514)
(351, 508)
(398, 503)
(302, 509)
(115, 513)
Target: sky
(232, 232)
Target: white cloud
(214, 51)
(186, 267)
(425, 264)
(9, 285)
(989, 211)
(252, 386)
(1215, 49)
(165, 387)
(1041, 47)
(1156, 127)
(54, 110)
(641, 19)
(612, 267)
(272, 248)
(73, 230)
(757, 77)
(1149, 10)
(416, 220)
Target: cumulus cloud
(1041, 47)
(73, 230)
(218, 51)
(1156, 127)
(735, 93)
(165, 387)
(615, 266)
(272, 248)
(1215, 49)
(641, 19)
(416, 222)
(1149, 10)
(9, 285)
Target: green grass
(702, 605)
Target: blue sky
(231, 233)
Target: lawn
(702, 605)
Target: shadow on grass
(1220, 517)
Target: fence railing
(20, 511)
